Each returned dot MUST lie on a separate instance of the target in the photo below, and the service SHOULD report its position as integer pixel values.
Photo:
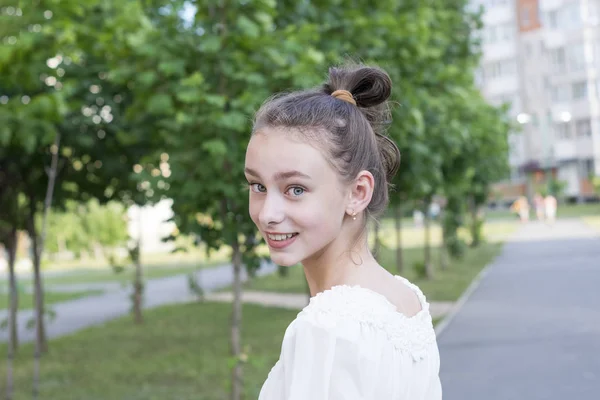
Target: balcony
(550, 5)
(554, 39)
(565, 149)
(499, 51)
(499, 86)
(584, 147)
(499, 14)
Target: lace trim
(409, 334)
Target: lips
(280, 240)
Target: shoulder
(360, 316)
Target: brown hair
(351, 135)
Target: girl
(318, 166)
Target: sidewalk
(75, 315)
(297, 301)
(531, 329)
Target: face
(296, 198)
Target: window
(571, 16)
(579, 90)
(490, 36)
(552, 20)
(558, 60)
(593, 12)
(559, 94)
(583, 128)
(506, 32)
(562, 130)
(499, 69)
(588, 167)
(576, 57)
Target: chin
(284, 260)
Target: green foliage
(556, 187)
(81, 226)
(596, 184)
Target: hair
(352, 136)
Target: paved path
(77, 314)
(297, 301)
(531, 329)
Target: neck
(338, 265)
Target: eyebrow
(280, 175)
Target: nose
(272, 211)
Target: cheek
(254, 209)
(323, 215)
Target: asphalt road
(531, 329)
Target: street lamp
(523, 118)
(565, 116)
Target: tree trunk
(41, 343)
(13, 340)
(399, 255)
(376, 243)
(138, 284)
(475, 225)
(236, 320)
(427, 246)
(443, 251)
(13, 290)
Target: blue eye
(258, 188)
(296, 191)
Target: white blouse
(351, 343)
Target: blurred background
(130, 269)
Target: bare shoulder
(397, 292)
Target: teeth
(280, 237)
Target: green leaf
(216, 147)
(160, 104)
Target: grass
(447, 285)
(181, 352)
(594, 222)
(26, 299)
(101, 275)
(563, 211)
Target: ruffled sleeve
(316, 364)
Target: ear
(361, 192)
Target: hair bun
(369, 86)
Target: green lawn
(26, 299)
(181, 352)
(564, 211)
(106, 274)
(447, 285)
(594, 222)
(494, 232)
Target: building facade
(543, 57)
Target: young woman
(318, 166)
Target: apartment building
(543, 57)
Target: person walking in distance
(551, 206)
(538, 203)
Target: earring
(354, 216)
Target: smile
(280, 240)
(280, 237)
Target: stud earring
(354, 216)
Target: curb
(443, 324)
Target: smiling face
(297, 200)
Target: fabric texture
(351, 343)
